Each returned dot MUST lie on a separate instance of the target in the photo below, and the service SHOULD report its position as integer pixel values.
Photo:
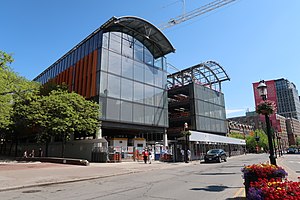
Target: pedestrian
(189, 154)
(145, 155)
(150, 154)
(32, 153)
(182, 154)
(40, 152)
(25, 154)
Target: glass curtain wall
(132, 82)
(209, 109)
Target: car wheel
(219, 159)
(225, 159)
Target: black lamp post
(257, 140)
(185, 127)
(262, 90)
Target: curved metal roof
(209, 73)
(142, 30)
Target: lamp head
(262, 89)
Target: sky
(251, 39)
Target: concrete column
(98, 136)
(99, 133)
(165, 138)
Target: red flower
(266, 107)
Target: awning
(208, 137)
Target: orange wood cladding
(94, 72)
(82, 75)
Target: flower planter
(248, 180)
(253, 173)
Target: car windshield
(214, 151)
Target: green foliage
(236, 135)
(266, 107)
(12, 89)
(48, 87)
(251, 142)
(186, 133)
(59, 114)
(4, 60)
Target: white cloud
(231, 111)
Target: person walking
(150, 156)
(145, 155)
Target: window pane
(113, 86)
(158, 63)
(149, 95)
(126, 89)
(138, 71)
(138, 113)
(126, 111)
(103, 84)
(138, 92)
(114, 63)
(138, 51)
(127, 67)
(127, 48)
(159, 97)
(115, 42)
(158, 78)
(148, 57)
(104, 60)
(159, 115)
(113, 109)
(149, 78)
(149, 115)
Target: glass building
(122, 66)
(195, 98)
(287, 99)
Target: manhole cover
(31, 191)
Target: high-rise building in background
(288, 103)
(285, 95)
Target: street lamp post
(262, 90)
(185, 127)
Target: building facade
(195, 98)
(121, 66)
(284, 94)
(293, 130)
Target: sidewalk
(15, 175)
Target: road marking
(240, 193)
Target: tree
(6, 85)
(12, 88)
(251, 142)
(236, 135)
(62, 114)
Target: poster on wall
(130, 149)
(118, 149)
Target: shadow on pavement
(213, 188)
(217, 173)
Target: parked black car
(215, 155)
(291, 150)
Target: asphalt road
(292, 164)
(210, 181)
